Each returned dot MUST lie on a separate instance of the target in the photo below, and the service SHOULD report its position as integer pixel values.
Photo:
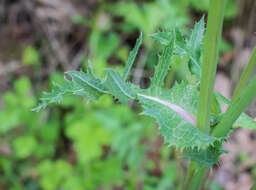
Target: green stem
(190, 172)
(210, 60)
(245, 75)
(235, 109)
(197, 179)
(253, 187)
(209, 67)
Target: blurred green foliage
(97, 145)
(203, 5)
(106, 137)
(30, 56)
(147, 17)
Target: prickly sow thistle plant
(189, 114)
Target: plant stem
(253, 187)
(210, 60)
(235, 109)
(245, 75)
(190, 172)
(196, 181)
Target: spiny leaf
(194, 47)
(179, 39)
(173, 107)
(92, 88)
(205, 157)
(194, 62)
(184, 95)
(181, 68)
(40, 106)
(82, 84)
(87, 80)
(180, 48)
(163, 38)
(132, 57)
(174, 111)
(196, 37)
(117, 86)
(57, 93)
(162, 67)
(166, 37)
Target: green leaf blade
(82, 84)
(163, 38)
(196, 37)
(132, 57)
(118, 87)
(162, 67)
(174, 110)
(205, 157)
(87, 80)
(182, 48)
(57, 93)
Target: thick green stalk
(197, 179)
(246, 75)
(236, 108)
(210, 60)
(190, 173)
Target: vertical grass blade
(236, 108)
(210, 60)
(245, 75)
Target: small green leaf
(162, 67)
(193, 47)
(42, 105)
(82, 84)
(180, 48)
(87, 81)
(132, 57)
(245, 121)
(118, 87)
(196, 37)
(57, 94)
(163, 38)
(205, 157)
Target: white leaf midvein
(174, 107)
